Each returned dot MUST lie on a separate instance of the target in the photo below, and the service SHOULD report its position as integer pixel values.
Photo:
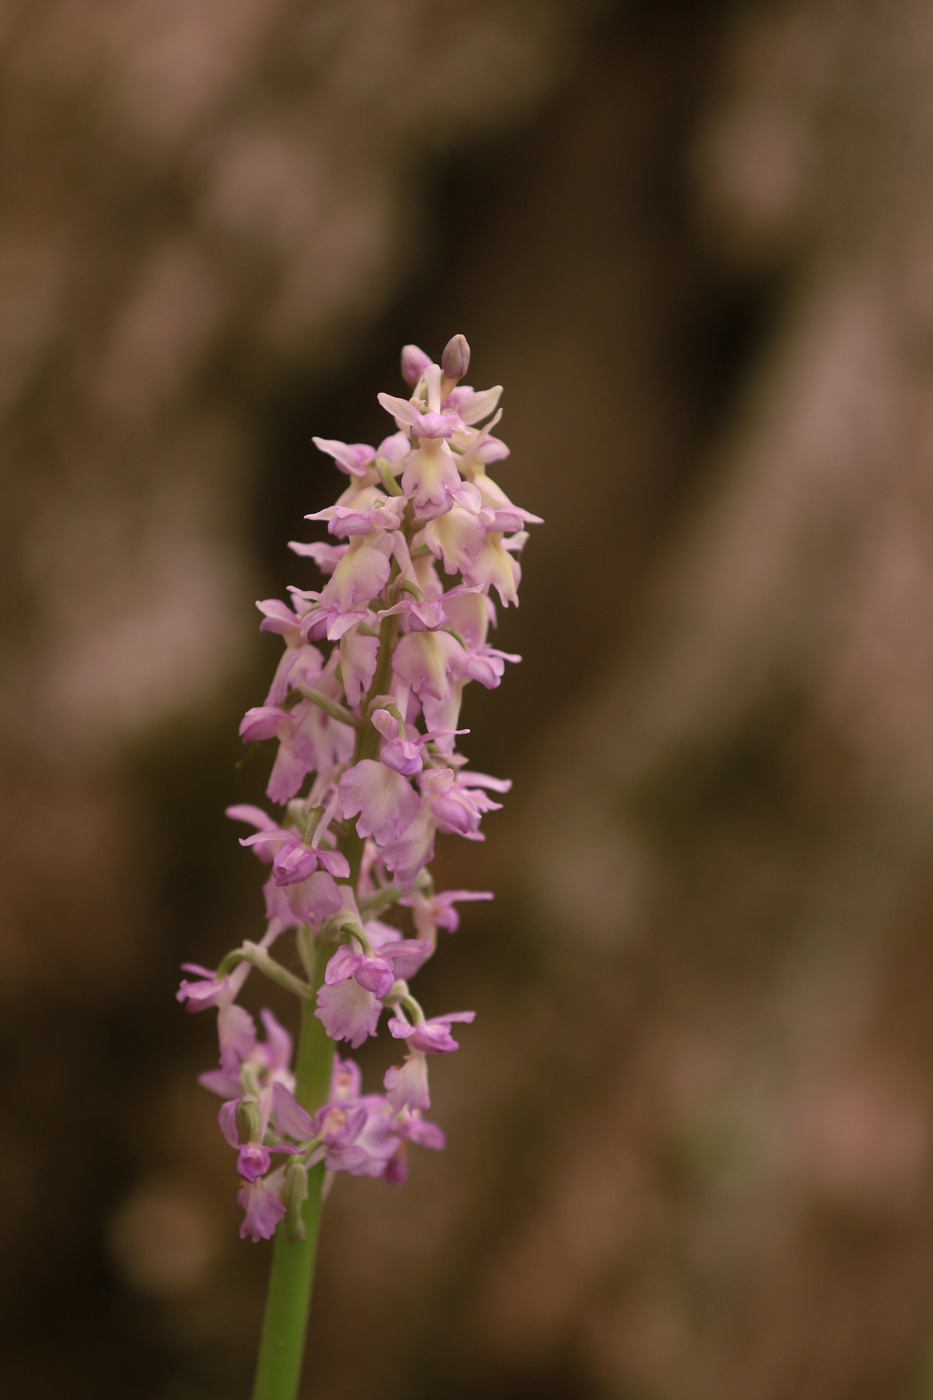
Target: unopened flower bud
(248, 1121)
(414, 364)
(303, 817)
(455, 360)
(294, 1194)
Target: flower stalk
(364, 708)
(288, 1300)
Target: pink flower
(437, 910)
(386, 802)
(430, 663)
(358, 578)
(348, 1011)
(309, 901)
(432, 1037)
(236, 1029)
(457, 800)
(431, 478)
(456, 537)
(409, 853)
(357, 663)
(300, 663)
(253, 1157)
(373, 972)
(369, 512)
(406, 1085)
(309, 740)
(402, 753)
(293, 860)
(409, 1126)
(492, 566)
(263, 1206)
(352, 458)
(374, 662)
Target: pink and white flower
(365, 708)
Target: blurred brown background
(691, 1134)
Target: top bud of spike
(455, 360)
(414, 363)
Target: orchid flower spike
(364, 715)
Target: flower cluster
(364, 708)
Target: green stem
(368, 738)
(288, 1303)
(331, 707)
(263, 961)
(278, 1372)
